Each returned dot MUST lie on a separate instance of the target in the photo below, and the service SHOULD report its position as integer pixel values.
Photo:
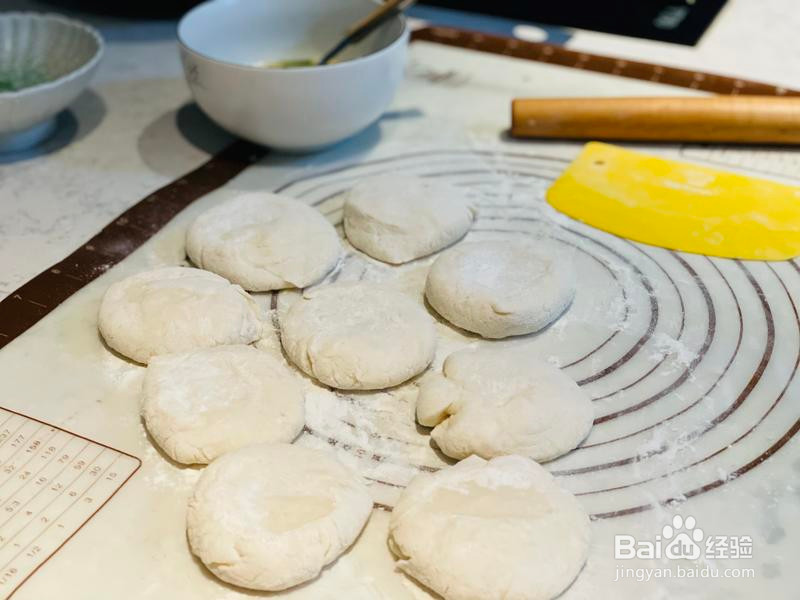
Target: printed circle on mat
(176, 309)
(199, 405)
(657, 339)
(264, 242)
(271, 516)
(500, 288)
(357, 336)
(490, 529)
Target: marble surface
(133, 131)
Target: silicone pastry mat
(691, 361)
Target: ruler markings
(18, 443)
(65, 460)
(78, 497)
(52, 482)
(26, 474)
(77, 465)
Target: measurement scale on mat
(51, 483)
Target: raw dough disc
(199, 405)
(397, 218)
(496, 401)
(500, 288)
(176, 309)
(271, 516)
(497, 529)
(264, 242)
(358, 336)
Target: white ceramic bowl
(47, 60)
(224, 44)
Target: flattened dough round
(199, 405)
(176, 309)
(397, 218)
(500, 288)
(496, 401)
(497, 529)
(358, 336)
(264, 242)
(271, 516)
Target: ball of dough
(500, 288)
(497, 529)
(264, 242)
(358, 336)
(496, 401)
(176, 309)
(397, 218)
(199, 405)
(271, 516)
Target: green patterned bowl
(46, 61)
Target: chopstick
(367, 25)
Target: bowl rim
(401, 39)
(87, 66)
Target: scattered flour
(667, 346)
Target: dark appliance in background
(165, 9)
(676, 21)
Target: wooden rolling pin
(744, 119)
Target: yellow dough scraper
(678, 205)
